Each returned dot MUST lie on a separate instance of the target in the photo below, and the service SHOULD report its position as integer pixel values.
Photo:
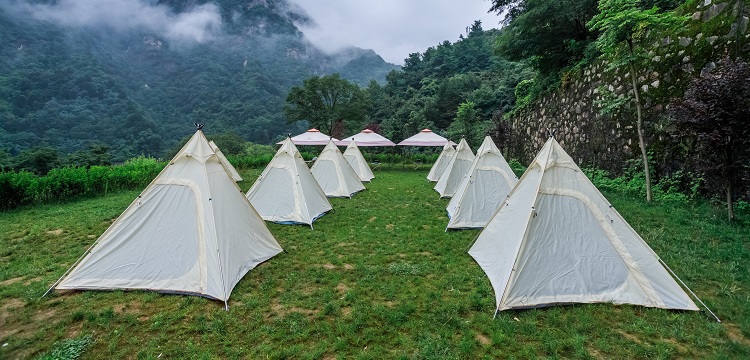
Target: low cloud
(393, 28)
(200, 23)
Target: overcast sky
(393, 28)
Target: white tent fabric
(455, 170)
(286, 192)
(557, 240)
(366, 138)
(358, 162)
(426, 138)
(441, 163)
(310, 137)
(487, 183)
(190, 231)
(334, 174)
(232, 171)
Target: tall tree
(327, 102)
(715, 115)
(624, 26)
(468, 124)
(552, 34)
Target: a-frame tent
(425, 138)
(190, 232)
(232, 171)
(455, 170)
(557, 240)
(358, 162)
(441, 163)
(310, 137)
(286, 192)
(334, 174)
(487, 183)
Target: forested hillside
(135, 84)
(435, 84)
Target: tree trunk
(639, 122)
(730, 205)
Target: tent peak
(198, 126)
(313, 130)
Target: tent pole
(688, 289)
(226, 306)
(496, 310)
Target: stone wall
(608, 141)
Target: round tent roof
(366, 138)
(311, 137)
(426, 138)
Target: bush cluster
(61, 184)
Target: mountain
(135, 75)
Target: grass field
(377, 278)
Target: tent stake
(688, 289)
(496, 310)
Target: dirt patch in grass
(342, 288)
(132, 308)
(91, 236)
(346, 244)
(483, 339)
(74, 331)
(56, 232)
(425, 253)
(348, 266)
(390, 303)
(32, 280)
(630, 337)
(309, 290)
(346, 311)
(329, 266)
(6, 310)
(680, 348)
(372, 219)
(281, 310)
(390, 227)
(44, 315)
(11, 281)
(735, 334)
(595, 353)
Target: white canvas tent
(358, 162)
(557, 240)
(286, 192)
(334, 174)
(455, 170)
(441, 163)
(426, 138)
(190, 231)
(232, 171)
(366, 137)
(310, 137)
(487, 183)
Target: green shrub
(14, 189)
(62, 184)
(69, 349)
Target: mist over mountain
(135, 74)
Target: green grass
(377, 278)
